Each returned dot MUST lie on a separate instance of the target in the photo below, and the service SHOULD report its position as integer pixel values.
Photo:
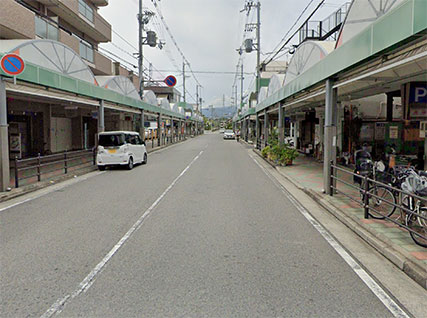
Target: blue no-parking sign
(12, 64)
(170, 81)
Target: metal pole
(257, 128)
(183, 80)
(330, 133)
(142, 128)
(159, 130)
(266, 128)
(140, 55)
(241, 85)
(258, 72)
(4, 140)
(366, 197)
(197, 97)
(281, 125)
(101, 118)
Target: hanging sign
(12, 64)
(170, 81)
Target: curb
(5, 196)
(391, 252)
(17, 192)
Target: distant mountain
(219, 112)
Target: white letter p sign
(420, 92)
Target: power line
(162, 18)
(290, 29)
(213, 72)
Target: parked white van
(125, 148)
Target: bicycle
(382, 201)
(414, 210)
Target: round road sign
(12, 64)
(170, 81)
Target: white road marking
(50, 190)
(90, 278)
(391, 305)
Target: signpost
(170, 81)
(12, 64)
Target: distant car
(229, 134)
(120, 148)
(221, 130)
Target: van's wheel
(101, 168)
(144, 162)
(130, 163)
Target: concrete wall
(16, 22)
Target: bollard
(38, 167)
(366, 197)
(94, 156)
(65, 162)
(331, 184)
(16, 172)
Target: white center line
(391, 305)
(90, 278)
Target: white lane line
(391, 305)
(90, 278)
(50, 190)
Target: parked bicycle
(382, 201)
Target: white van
(125, 148)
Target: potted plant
(288, 156)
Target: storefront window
(86, 51)
(86, 10)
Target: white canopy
(52, 55)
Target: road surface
(198, 231)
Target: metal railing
(41, 165)
(364, 190)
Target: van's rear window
(111, 140)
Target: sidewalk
(389, 239)
(82, 167)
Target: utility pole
(241, 85)
(197, 97)
(258, 35)
(248, 42)
(183, 79)
(140, 53)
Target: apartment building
(75, 23)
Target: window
(86, 10)
(111, 140)
(86, 50)
(46, 30)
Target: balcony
(103, 65)
(100, 3)
(68, 10)
(16, 21)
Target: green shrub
(265, 151)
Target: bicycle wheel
(418, 226)
(379, 206)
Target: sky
(207, 32)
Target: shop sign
(380, 131)
(418, 111)
(393, 132)
(423, 129)
(418, 93)
(367, 132)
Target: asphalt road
(217, 239)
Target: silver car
(229, 134)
